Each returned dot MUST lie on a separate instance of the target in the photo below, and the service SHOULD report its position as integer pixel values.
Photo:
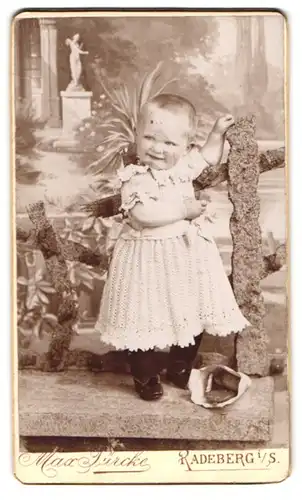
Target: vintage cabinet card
(150, 233)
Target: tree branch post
(55, 253)
(247, 258)
(56, 266)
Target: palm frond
(120, 129)
(124, 98)
(120, 101)
(114, 100)
(162, 88)
(111, 165)
(108, 94)
(108, 160)
(128, 130)
(121, 123)
(110, 121)
(147, 84)
(107, 156)
(114, 134)
(134, 107)
(120, 110)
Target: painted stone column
(17, 83)
(50, 94)
(28, 63)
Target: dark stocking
(181, 361)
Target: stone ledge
(71, 94)
(105, 405)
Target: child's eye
(170, 143)
(148, 137)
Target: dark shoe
(145, 372)
(179, 379)
(149, 390)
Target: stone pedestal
(76, 106)
(105, 405)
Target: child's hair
(177, 104)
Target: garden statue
(75, 62)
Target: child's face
(162, 138)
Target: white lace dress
(165, 284)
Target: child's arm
(212, 150)
(158, 214)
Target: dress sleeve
(136, 189)
(196, 162)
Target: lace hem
(130, 339)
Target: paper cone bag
(200, 385)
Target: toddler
(166, 282)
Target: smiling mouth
(155, 157)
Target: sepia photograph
(150, 268)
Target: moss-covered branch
(56, 252)
(247, 257)
(69, 250)
(274, 262)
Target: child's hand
(194, 208)
(223, 124)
